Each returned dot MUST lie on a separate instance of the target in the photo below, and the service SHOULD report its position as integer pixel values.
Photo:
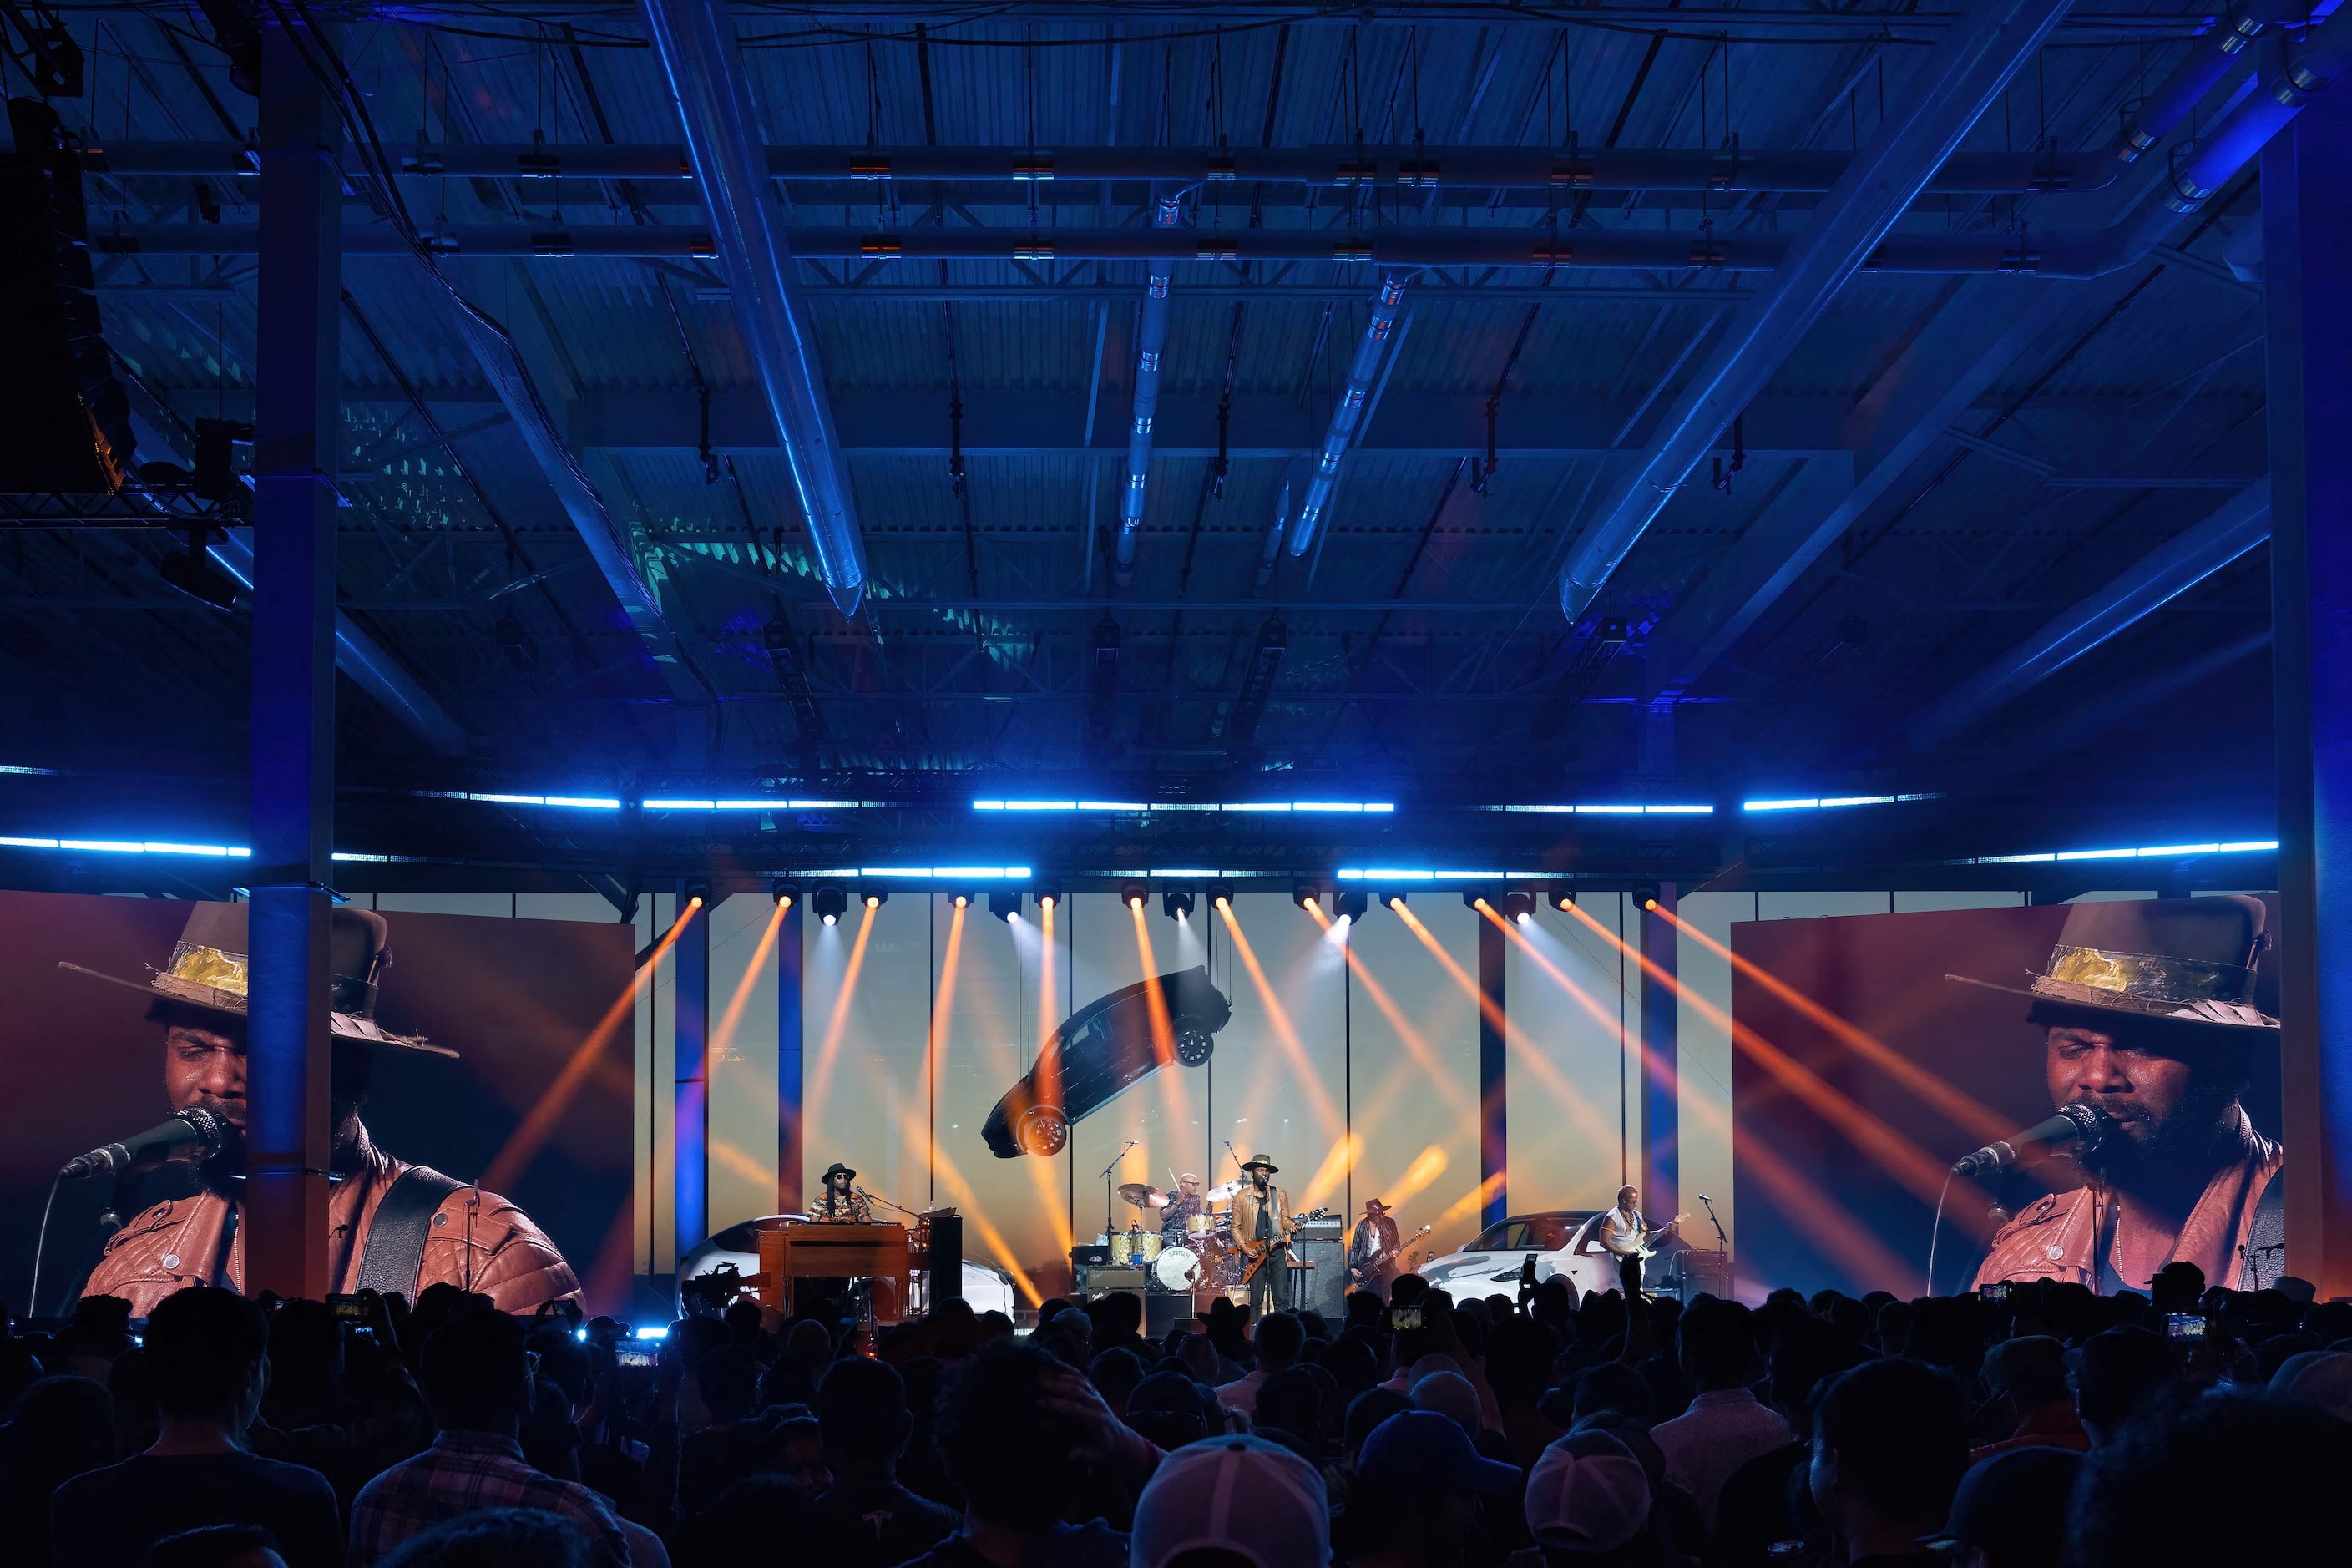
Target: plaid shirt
(461, 1472)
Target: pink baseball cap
(1237, 1494)
(1587, 1493)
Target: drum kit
(1205, 1258)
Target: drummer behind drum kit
(1207, 1259)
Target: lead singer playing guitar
(1625, 1233)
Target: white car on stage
(987, 1289)
(1563, 1242)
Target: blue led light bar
(129, 846)
(1613, 808)
(2152, 852)
(1828, 802)
(930, 873)
(1142, 807)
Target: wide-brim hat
(210, 971)
(837, 1169)
(1260, 1162)
(1376, 1203)
(2180, 961)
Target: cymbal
(1143, 1196)
(1223, 1192)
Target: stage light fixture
(697, 896)
(873, 895)
(1392, 898)
(1220, 895)
(1352, 903)
(1473, 898)
(1176, 903)
(1004, 903)
(1645, 895)
(1563, 899)
(1048, 896)
(961, 897)
(1519, 907)
(832, 901)
(1133, 894)
(1307, 896)
(784, 892)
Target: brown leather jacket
(178, 1243)
(1246, 1207)
(2056, 1238)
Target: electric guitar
(1384, 1270)
(1641, 1251)
(1258, 1251)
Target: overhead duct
(2241, 524)
(1151, 341)
(1347, 414)
(695, 40)
(1946, 94)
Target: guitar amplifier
(1094, 1283)
(1323, 1242)
(1091, 1256)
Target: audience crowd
(2048, 1428)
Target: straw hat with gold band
(2178, 962)
(209, 970)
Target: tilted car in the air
(1100, 1049)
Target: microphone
(194, 1125)
(2078, 1128)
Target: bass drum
(1177, 1268)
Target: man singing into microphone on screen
(2147, 1010)
(392, 1226)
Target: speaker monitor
(1322, 1288)
(65, 425)
(947, 1259)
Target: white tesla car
(1563, 1242)
(987, 1289)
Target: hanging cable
(1225, 406)
(955, 405)
(1479, 475)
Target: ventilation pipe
(1944, 95)
(1151, 340)
(1274, 535)
(695, 40)
(1344, 418)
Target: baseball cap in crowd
(1587, 1493)
(1420, 1450)
(1449, 1393)
(2013, 1507)
(1237, 1494)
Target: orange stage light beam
(1337, 1162)
(1455, 1101)
(523, 1146)
(1427, 1167)
(1554, 1082)
(744, 987)
(1163, 1032)
(832, 1044)
(1053, 1203)
(1283, 1032)
(918, 1136)
(1469, 1204)
(1962, 1110)
(935, 1056)
(1894, 1153)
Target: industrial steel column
(1494, 1141)
(2307, 258)
(689, 959)
(296, 421)
(1661, 1059)
(790, 1144)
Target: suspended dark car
(1100, 1049)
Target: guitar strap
(393, 1253)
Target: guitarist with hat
(1627, 1235)
(1262, 1228)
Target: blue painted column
(1661, 1063)
(2307, 263)
(297, 421)
(1493, 1139)
(791, 1149)
(689, 959)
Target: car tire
(1043, 1129)
(1195, 1043)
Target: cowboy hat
(1259, 1162)
(210, 972)
(1376, 1203)
(2175, 961)
(836, 1169)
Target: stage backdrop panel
(1836, 1157)
(518, 999)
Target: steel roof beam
(2172, 569)
(1939, 100)
(694, 41)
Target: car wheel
(1194, 1043)
(1043, 1129)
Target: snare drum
(1199, 1224)
(1177, 1270)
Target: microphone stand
(1107, 1170)
(1722, 1246)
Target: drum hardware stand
(1110, 1214)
